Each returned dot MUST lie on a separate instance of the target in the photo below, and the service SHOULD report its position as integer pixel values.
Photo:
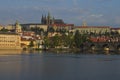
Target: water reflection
(59, 66)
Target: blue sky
(94, 12)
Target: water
(59, 66)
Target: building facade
(10, 41)
(92, 29)
(35, 25)
(115, 30)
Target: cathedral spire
(48, 18)
(42, 21)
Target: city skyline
(94, 12)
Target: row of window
(2, 45)
(7, 41)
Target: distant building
(1, 27)
(115, 30)
(10, 41)
(92, 29)
(57, 24)
(18, 28)
(35, 25)
(48, 20)
(66, 27)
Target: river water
(58, 66)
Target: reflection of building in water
(10, 41)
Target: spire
(48, 18)
(42, 19)
(16, 23)
(53, 20)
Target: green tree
(51, 29)
(77, 39)
(68, 40)
(55, 41)
(46, 42)
(31, 44)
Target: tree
(4, 30)
(51, 29)
(31, 44)
(56, 41)
(77, 39)
(68, 40)
(46, 42)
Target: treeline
(69, 40)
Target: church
(49, 20)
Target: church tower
(49, 19)
(18, 27)
(42, 20)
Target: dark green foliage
(77, 39)
(51, 29)
(4, 30)
(31, 44)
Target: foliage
(31, 44)
(46, 41)
(77, 39)
(51, 29)
(4, 30)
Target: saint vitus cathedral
(48, 20)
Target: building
(35, 25)
(10, 41)
(10, 27)
(66, 27)
(92, 29)
(18, 28)
(48, 20)
(1, 27)
(56, 24)
(115, 30)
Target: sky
(94, 12)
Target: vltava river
(58, 66)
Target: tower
(42, 20)
(84, 24)
(18, 27)
(48, 18)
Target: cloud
(96, 15)
(75, 2)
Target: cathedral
(48, 20)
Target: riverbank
(58, 51)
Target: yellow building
(35, 25)
(1, 27)
(92, 29)
(10, 41)
(66, 27)
(9, 27)
(115, 30)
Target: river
(58, 66)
